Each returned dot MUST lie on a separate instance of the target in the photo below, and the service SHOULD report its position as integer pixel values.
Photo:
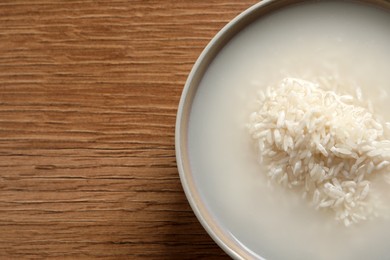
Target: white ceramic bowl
(221, 235)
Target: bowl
(198, 187)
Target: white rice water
(344, 39)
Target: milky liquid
(312, 38)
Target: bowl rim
(226, 241)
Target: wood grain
(88, 98)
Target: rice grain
(323, 144)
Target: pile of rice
(325, 145)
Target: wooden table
(88, 98)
